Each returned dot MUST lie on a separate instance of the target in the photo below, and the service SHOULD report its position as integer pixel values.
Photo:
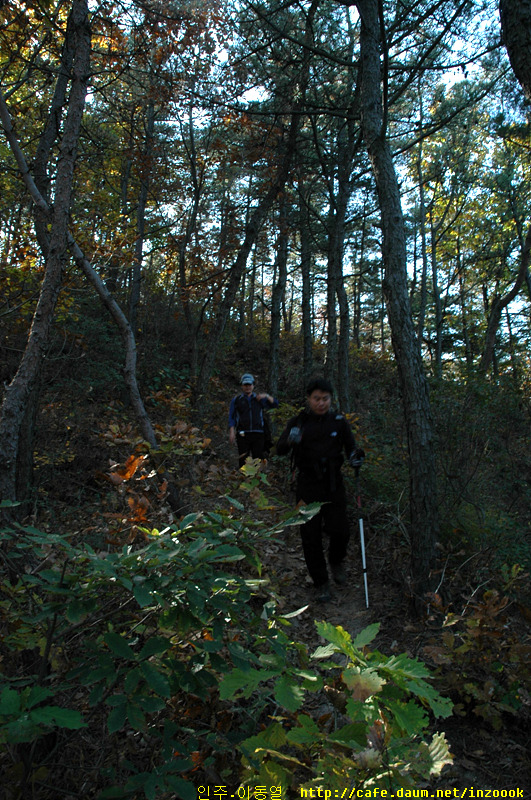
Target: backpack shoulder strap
(238, 403)
(299, 421)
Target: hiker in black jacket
(247, 422)
(319, 439)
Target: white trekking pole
(357, 466)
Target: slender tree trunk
(102, 290)
(249, 328)
(145, 169)
(50, 134)
(277, 298)
(423, 493)
(184, 243)
(257, 218)
(512, 350)
(306, 267)
(331, 302)
(358, 289)
(437, 304)
(464, 321)
(423, 249)
(500, 303)
(19, 391)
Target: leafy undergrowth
(146, 653)
(161, 664)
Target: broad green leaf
(288, 695)
(142, 595)
(155, 679)
(9, 701)
(150, 704)
(241, 682)
(37, 695)
(407, 667)
(304, 513)
(188, 521)
(355, 733)
(366, 636)
(410, 717)
(441, 706)
(132, 680)
(119, 646)
(272, 738)
(136, 716)
(76, 611)
(155, 646)
(274, 775)
(116, 719)
(325, 651)
(96, 694)
(61, 717)
(182, 789)
(336, 635)
(235, 503)
(296, 613)
(307, 732)
(21, 730)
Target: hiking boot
(339, 573)
(323, 593)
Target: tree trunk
(128, 339)
(252, 229)
(184, 243)
(436, 302)
(464, 319)
(277, 298)
(423, 493)
(145, 168)
(36, 336)
(423, 249)
(515, 17)
(19, 391)
(500, 303)
(306, 299)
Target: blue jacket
(246, 412)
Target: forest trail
(285, 568)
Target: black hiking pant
(331, 520)
(250, 444)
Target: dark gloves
(356, 457)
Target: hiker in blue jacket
(320, 439)
(247, 421)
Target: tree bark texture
(423, 492)
(277, 298)
(306, 262)
(515, 17)
(19, 391)
(128, 339)
(136, 272)
(500, 303)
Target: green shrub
(386, 703)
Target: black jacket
(324, 442)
